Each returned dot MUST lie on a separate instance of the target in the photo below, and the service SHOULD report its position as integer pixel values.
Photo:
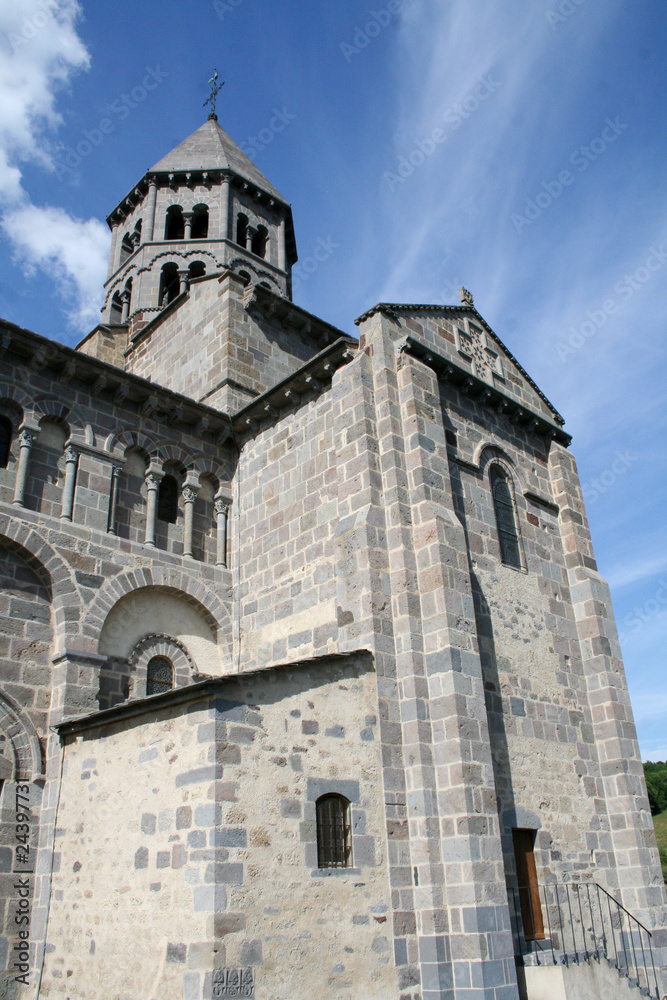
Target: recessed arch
(21, 738)
(126, 437)
(172, 581)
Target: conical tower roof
(210, 148)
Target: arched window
(126, 248)
(116, 311)
(200, 222)
(5, 441)
(169, 284)
(503, 504)
(334, 843)
(242, 230)
(174, 228)
(159, 675)
(167, 501)
(258, 246)
(196, 270)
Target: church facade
(310, 685)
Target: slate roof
(210, 148)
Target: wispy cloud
(39, 53)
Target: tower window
(175, 225)
(242, 230)
(169, 284)
(334, 844)
(159, 675)
(200, 222)
(5, 441)
(508, 536)
(126, 248)
(116, 311)
(196, 270)
(259, 241)
(167, 501)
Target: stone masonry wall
(212, 349)
(207, 858)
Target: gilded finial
(214, 93)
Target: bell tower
(203, 208)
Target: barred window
(159, 675)
(503, 504)
(334, 844)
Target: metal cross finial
(214, 93)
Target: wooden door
(529, 893)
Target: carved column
(282, 250)
(150, 210)
(113, 499)
(187, 219)
(112, 251)
(71, 462)
(249, 233)
(125, 297)
(222, 505)
(153, 478)
(224, 207)
(183, 277)
(189, 496)
(26, 440)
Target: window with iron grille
(334, 844)
(159, 675)
(508, 536)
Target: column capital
(153, 481)
(71, 454)
(222, 504)
(189, 494)
(26, 438)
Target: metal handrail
(580, 927)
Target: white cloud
(39, 52)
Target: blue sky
(515, 148)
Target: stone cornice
(288, 393)
(483, 393)
(393, 309)
(191, 692)
(103, 379)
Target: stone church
(310, 685)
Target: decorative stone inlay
(233, 983)
(474, 346)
